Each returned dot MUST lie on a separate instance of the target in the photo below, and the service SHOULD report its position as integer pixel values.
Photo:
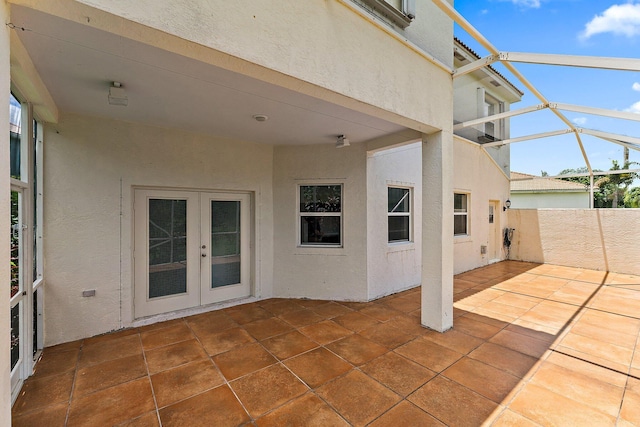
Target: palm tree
(614, 181)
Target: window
(320, 215)
(398, 12)
(489, 106)
(399, 214)
(460, 214)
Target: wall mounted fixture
(117, 95)
(342, 142)
(260, 117)
(507, 205)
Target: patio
(531, 345)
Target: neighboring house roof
(457, 42)
(522, 182)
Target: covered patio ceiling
(78, 62)
(558, 109)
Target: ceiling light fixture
(342, 142)
(117, 95)
(260, 117)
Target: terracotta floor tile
(301, 318)
(282, 307)
(331, 310)
(429, 354)
(590, 358)
(355, 321)
(577, 293)
(408, 324)
(581, 388)
(454, 340)
(185, 381)
(325, 332)
(612, 352)
(56, 362)
(630, 410)
(108, 350)
(107, 374)
(511, 419)
(267, 328)
(357, 349)
(358, 398)
(404, 304)
(267, 389)
(165, 336)
(160, 325)
(288, 345)
(510, 310)
(308, 410)
(622, 324)
(244, 315)
(226, 340)
(355, 305)
(150, 419)
(503, 317)
(50, 416)
(67, 346)
(548, 408)
(380, 312)
(486, 319)
(112, 405)
(484, 379)
(452, 403)
(174, 355)
(510, 361)
(318, 366)
(405, 414)
(590, 370)
(217, 407)
(604, 334)
(39, 392)
(516, 300)
(310, 303)
(522, 343)
(474, 328)
(398, 373)
(386, 335)
(210, 322)
(243, 360)
(534, 330)
(110, 336)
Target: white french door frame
(199, 291)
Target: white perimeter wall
(320, 273)
(90, 167)
(477, 173)
(598, 239)
(549, 200)
(393, 267)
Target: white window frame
(300, 214)
(465, 213)
(400, 17)
(401, 214)
(486, 101)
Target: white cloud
(636, 86)
(619, 19)
(635, 108)
(580, 121)
(527, 3)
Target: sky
(602, 28)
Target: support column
(437, 231)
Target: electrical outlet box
(483, 249)
(89, 293)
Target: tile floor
(531, 345)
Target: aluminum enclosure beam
(499, 116)
(605, 63)
(528, 137)
(595, 111)
(580, 175)
(624, 140)
(475, 65)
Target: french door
(190, 248)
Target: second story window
(398, 12)
(488, 106)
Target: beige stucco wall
(599, 239)
(392, 267)
(91, 166)
(477, 173)
(550, 200)
(5, 324)
(320, 273)
(332, 38)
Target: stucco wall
(91, 166)
(476, 173)
(393, 266)
(599, 239)
(550, 200)
(320, 273)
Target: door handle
(204, 255)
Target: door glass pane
(15, 130)
(225, 243)
(16, 231)
(167, 247)
(15, 335)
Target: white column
(5, 203)
(437, 231)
